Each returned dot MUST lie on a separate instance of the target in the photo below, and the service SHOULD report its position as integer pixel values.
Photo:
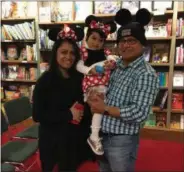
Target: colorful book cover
(107, 7)
(61, 11)
(177, 101)
(175, 121)
(132, 6)
(82, 10)
(44, 14)
(178, 79)
(161, 120)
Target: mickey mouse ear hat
(133, 28)
(74, 33)
(94, 23)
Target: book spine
(164, 100)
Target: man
(131, 93)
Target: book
(12, 52)
(19, 9)
(146, 4)
(175, 121)
(179, 58)
(44, 14)
(161, 120)
(177, 101)
(61, 11)
(107, 7)
(160, 53)
(151, 121)
(80, 13)
(178, 79)
(164, 100)
(132, 6)
(182, 122)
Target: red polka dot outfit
(94, 80)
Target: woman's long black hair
(58, 41)
(54, 67)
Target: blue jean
(120, 153)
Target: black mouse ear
(79, 32)
(143, 16)
(112, 26)
(53, 33)
(123, 17)
(89, 19)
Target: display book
(161, 55)
(19, 57)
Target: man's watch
(106, 110)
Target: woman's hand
(77, 114)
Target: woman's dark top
(53, 97)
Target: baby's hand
(93, 71)
(109, 64)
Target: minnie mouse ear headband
(133, 28)
(73, 32)
(94, 23)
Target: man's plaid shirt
(133, 89)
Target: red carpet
(152, 156)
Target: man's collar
(133, 64)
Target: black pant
(59, 146)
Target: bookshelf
(20, 59)
(169, 67)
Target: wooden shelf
(104, 15)
(157, 109)
(4, 100)
(169, 12)
(179, 65)
(179, 38)
(177, 111)
(160, 64)
(18, 62)
(163, 88)
(16, 41)
(178, 88)
(163, 129)
(16, 19)
(159, 38)
(181, 11)
(18, 80)
(62, 22)
(162, 134)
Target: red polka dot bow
(67, 33)
(96, 25)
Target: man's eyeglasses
(128, 41)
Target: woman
(55, 95)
